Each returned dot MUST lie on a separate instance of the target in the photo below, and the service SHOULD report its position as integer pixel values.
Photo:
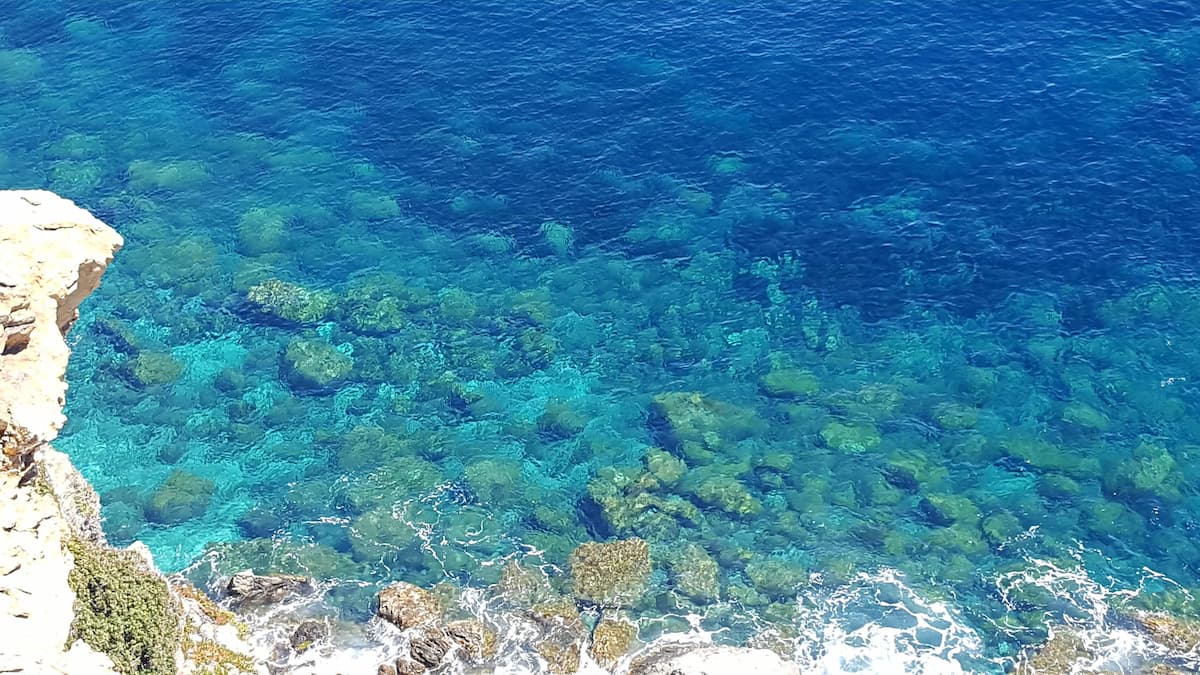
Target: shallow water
(931, 268)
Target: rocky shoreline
(70, 603)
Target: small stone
(406, 605)
(386, 669)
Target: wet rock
(405, 666)
(611, 640)
(428, 647)
(249, 588)
(563, 659)
(308, 633)
(613, 574)
(475, 640)
(408, 606)
(181, 497)
(1174, 633)
(689, 659)
(386, 669)
(1057, 656)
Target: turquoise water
(821, 294)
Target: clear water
(971, 226)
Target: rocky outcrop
(52, 254)
(69, 603)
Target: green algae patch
(789, 383)
(695, 573)
(613, 574)
(182, 496)
(123, 610)
(290, 302)
(152, 369)
(315, 364)
(853, 438)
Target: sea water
(413, 290)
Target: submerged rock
(611, 640)
(182, 496)
(611, 575)
(682, 418)
(315, 364)
(291, 302)
(151, 369)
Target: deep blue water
(984, 208)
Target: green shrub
(123, 610)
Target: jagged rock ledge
(69, 603)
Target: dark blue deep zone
(1029, 150)
(1061, 167)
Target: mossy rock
(291, 303)
(152, 369)
(380, 304)
(851, 438)
(124, 610)
(948, 509)
(1046, 456)
(1084, 417)
(723, 492)
(560, 421)
(665, 467)
(614, 574)
(695, 573)
(955, 416)
(789, 383)
(691, 417)
(1150, 472)
(1001, 527)
(315, 364)
(182, 496)
(262, 230)
(777, 578)
(611, 639)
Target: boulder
(315, 364)
(407, 606)
(308, 633)
(611, 574)
(249, 588)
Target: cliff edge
(69, 603)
